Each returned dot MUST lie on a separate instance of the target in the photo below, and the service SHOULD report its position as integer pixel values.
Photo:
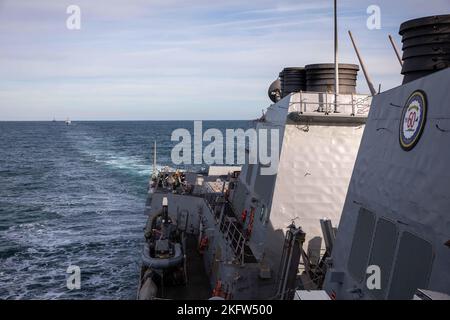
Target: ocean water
(75, 195)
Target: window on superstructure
(249, 174)
(264, 185)
(362, 238)
(412, 267)
(382, 253)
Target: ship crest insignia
(413, 120)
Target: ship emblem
(413, 120)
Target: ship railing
(228, 224)
(233, 236)
(215, 202)
(323, 102)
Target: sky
(180, 59)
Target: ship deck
(197, 287)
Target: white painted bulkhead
(315, 165)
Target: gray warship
(362, 181)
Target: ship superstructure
(244, 221)
(273, 236)
(396, 224)
(396, 215)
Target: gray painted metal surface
(410, 190)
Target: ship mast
(154, 158)
(336, 60)
(363, 66)
(397, 52)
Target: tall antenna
(397, 52)
(336, 61)
(363, 66)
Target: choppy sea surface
(75, 195)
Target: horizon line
(117, 120)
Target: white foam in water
(99, 246)
(136, 164)
(129, 163)
(91, 219)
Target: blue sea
(75, 195)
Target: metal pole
(185, 259)
(363, 66)
(336, 60)
(154, 157)
(281, 269)
(397, 52)
(286, 274)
